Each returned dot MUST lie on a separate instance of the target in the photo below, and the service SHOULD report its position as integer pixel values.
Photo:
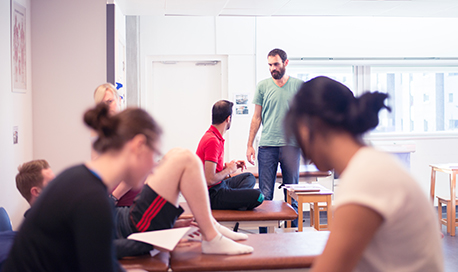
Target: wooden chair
(446, 221)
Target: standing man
(271, 101)
(226, 193)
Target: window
(420, 96)
(343, 74)
(417, 98)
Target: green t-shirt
(275, 103)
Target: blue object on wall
(118, 85)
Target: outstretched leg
(181, 170)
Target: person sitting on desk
(226, 193)
(156, 207)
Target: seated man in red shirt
(226, 193)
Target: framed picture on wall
(241, 104)
(18, 48)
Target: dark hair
(30, 176)
(220, 111)
(114, 131)
(279, 52)
(334, 104)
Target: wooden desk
(451, 169)
(158, 263)
(268, 214)
(271, 251)
(324, 195)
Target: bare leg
(181, 170)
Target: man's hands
(250, 155)
(233, 165)
(241, 164)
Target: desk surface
(445, 166)
(158, 263)
(323, 191)
(268, 210)
(271, 251)
(304, 171)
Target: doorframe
(187, 58)
(177, 58)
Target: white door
(181, 99)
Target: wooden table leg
(452, 203)
(288, 199)
(300, 213)
(329, 210)
(316, 216)
(433, 184)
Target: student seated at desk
(383, 221)
(123, 194)
(71, 225)
(226, 193)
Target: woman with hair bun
(71, 225)
(383, 221)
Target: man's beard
(278, 74)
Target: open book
(303, 187)
(166, 239)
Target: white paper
(303, 187)
(166, 239)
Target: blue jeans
(268, 159)
(236, 193)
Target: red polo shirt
(211, 148)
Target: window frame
(362, 82)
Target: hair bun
(102, 123)
(363, 116)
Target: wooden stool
(447, 220)
(315, 215)
(324, 195)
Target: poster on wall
(18, 48)
(241, 104)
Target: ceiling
(384, 8)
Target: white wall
(67, 60)
(203, 36)
(247, 41)
(15, 110)
(69, 56)
(354, 37)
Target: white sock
(223, 245)
(229, 233)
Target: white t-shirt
(409, 237)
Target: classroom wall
(247, 41)
(203, 36)
(69, 54)
(15, 110)
(66, 61)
